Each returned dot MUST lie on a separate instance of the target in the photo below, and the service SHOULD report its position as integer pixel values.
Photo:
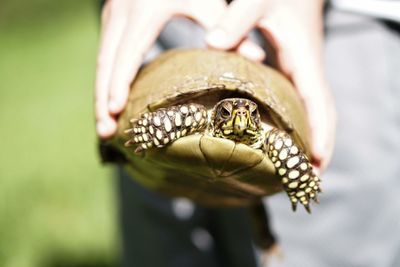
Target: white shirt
(383, 9)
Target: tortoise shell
(210, 170)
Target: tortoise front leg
(292, 165)
(165, 125)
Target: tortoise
(218, 129)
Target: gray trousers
(358, 220)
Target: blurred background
(57, 203)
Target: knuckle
(99, 104)
(103, 61)
(116, 92)
(117, 9)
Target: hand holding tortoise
(294, 28)
(129, 29)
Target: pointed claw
(128, 143)
(294, 206)
(128, 131)
(139, 150)
(307, 207)
(316, 199)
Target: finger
(140, 33)
(240, 17)
(299, 54)
(206, 12)
(321, 115)
(144, 29)
(323, 130)
(112, 24)
(251, 50)
(323, 125)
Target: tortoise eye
(254, 111)
(225, 112)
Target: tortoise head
(236, 119)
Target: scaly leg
(292, 165)
(165, 125)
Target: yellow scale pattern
(161, 127)
(292, 165)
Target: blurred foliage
(57, 205)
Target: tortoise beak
(240, 122)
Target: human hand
(129, 28)
(295, 30)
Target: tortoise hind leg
(292, 165)
(263, 235)
(165, 125)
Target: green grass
(57, 204)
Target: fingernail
(252, 52)
(101, 128)
(317, 155)
(217, 38)
(113, 106)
